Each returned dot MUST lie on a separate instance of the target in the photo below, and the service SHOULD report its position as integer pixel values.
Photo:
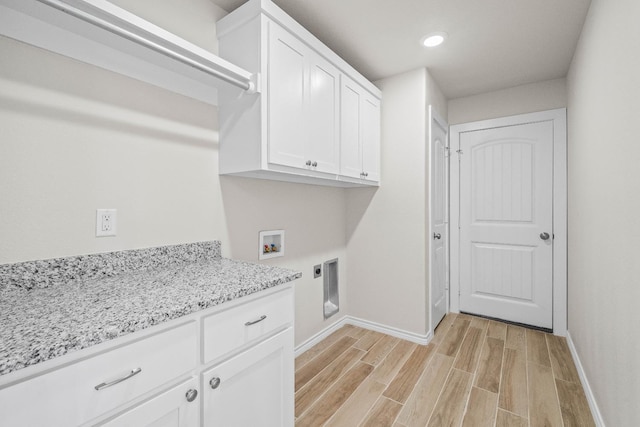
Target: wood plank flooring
(475, 372)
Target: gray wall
(76, 138)
(546, 95)
(604, 192)
(386, 228)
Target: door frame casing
(559, 119)
(434, 116)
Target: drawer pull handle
(264, 316)
(214, 383)
(191, 395)
(119, 380)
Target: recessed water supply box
(271, 244)
(331, 297)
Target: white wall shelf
(99, 33)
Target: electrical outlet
(317, 271)
(105, 222)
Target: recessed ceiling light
(434, 39)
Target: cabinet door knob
(308, 163)
(314, 164)
(191, 395)
(214, 383)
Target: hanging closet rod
(229, 76)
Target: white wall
(528, 98)
(604, 198)
(314, 221)
(386, 228)
(435, 97)
(76, 138)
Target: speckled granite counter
(83, 308)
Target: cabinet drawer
(68, 396)
(230, 329)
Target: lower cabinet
(177, 407)
(90, 388)
(254, 388)
(232, 365)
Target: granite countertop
(43, 322)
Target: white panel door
(506, 219)
(323, 146)
(438, 217)
(287, 98)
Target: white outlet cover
(106, 221)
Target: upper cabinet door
(323, 145)
(350, 147)
(287, 94)
(314, 120)
(371, 138)
(359, 132)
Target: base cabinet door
(177, 407)
(253, 388)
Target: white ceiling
(492, 44)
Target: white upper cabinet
(303, 115)
(288, 67)
(299, 127)
(359, 132)
(323, 143)
(371, 138)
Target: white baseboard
(595, 411)
(320, 336)
(365, 324)
(389, 330)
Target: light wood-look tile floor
(475, 372)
